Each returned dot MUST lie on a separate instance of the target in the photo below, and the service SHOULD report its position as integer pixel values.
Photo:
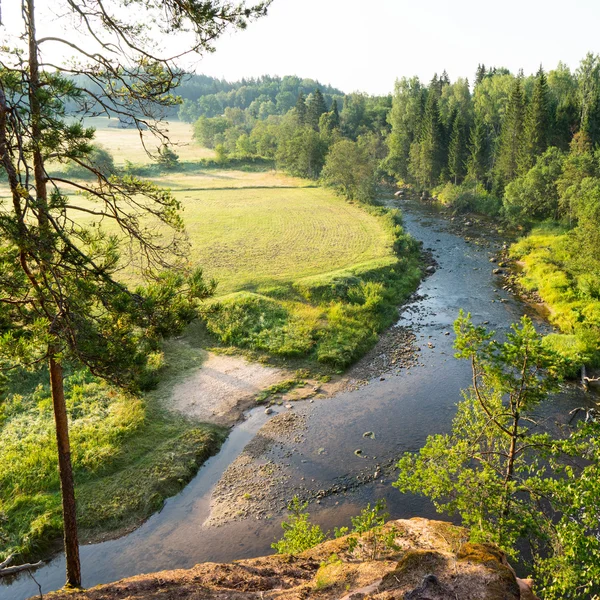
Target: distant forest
(205, 96)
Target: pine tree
(510, 154)
(477, 161)
(315, 108)
(301, 108)
(537, 125)
(457, 150)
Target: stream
(321, 464)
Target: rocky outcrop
(430, 560)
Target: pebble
(268, 411)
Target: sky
(360, 45)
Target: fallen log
(5, 570)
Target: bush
(469, 197)
(299, 534)
(99, 159)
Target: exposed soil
(429, 560)
(223, 388)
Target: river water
(401, 409)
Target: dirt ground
(225, 386)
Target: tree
(457, 150)
(330, 120)
(477, 160)
(301, 109)
(534, 195)
(405, 119)
(511, 136)
(350, 170)
(506, 476)
(538, 123)
(427, 156)
(315, 108)
(588, 79)
(167, 158)
(59, 290)
(480, 74)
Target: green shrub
(299, 534)
(469, 197)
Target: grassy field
(304, 279)
(125, 144)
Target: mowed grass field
(251, 238)
(125, 144)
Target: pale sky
(365, 45)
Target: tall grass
(332, 318)
(574, 304)
(128, 455)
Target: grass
(125, 144)
(573, 304)
(128, 454)
(331, 318)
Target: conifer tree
(457, 150)
(315, 108)
(537, 125)
(427, 155)
(477, 161)
(301, 108)
(335, 118)
(510, 153)
(480, 74)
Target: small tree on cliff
(60, 299)
(506, 476)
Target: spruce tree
(315, 108)
(457, 150)
(301, 108)
(477, 161)
(335, 114)
(427, 155)
(537, 125)
(480, 74)
(510, 153)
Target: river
(400, 409)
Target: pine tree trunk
(66, 474)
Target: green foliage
(167, 158)
(350, 169)
(574, 301)
(299, 533)
(534, 195)
(372, 539)
(128, 456)
(98, 160)
(511, 141)
(508, 480)
(469, 197)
